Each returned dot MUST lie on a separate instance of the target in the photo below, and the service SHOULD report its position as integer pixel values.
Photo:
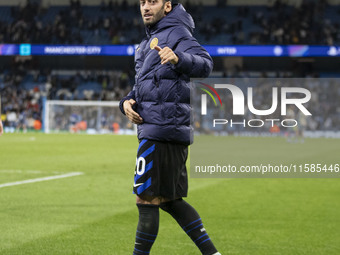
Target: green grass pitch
(95, 213)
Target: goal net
(91, 117)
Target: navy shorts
(160, 170)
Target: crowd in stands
(24, 84)
(73, 24)
(22, 101)
(23, 88)
(314, 22)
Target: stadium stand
(314, 22)
(25, 82)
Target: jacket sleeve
(193, 59)
(131, 95)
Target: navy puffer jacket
(162, 92)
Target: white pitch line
(48, 178)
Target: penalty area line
(42, 179)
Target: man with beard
(160, 105)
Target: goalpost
(91, 117)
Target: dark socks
(147, 228)
(191, 223)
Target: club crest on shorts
(154, 43)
